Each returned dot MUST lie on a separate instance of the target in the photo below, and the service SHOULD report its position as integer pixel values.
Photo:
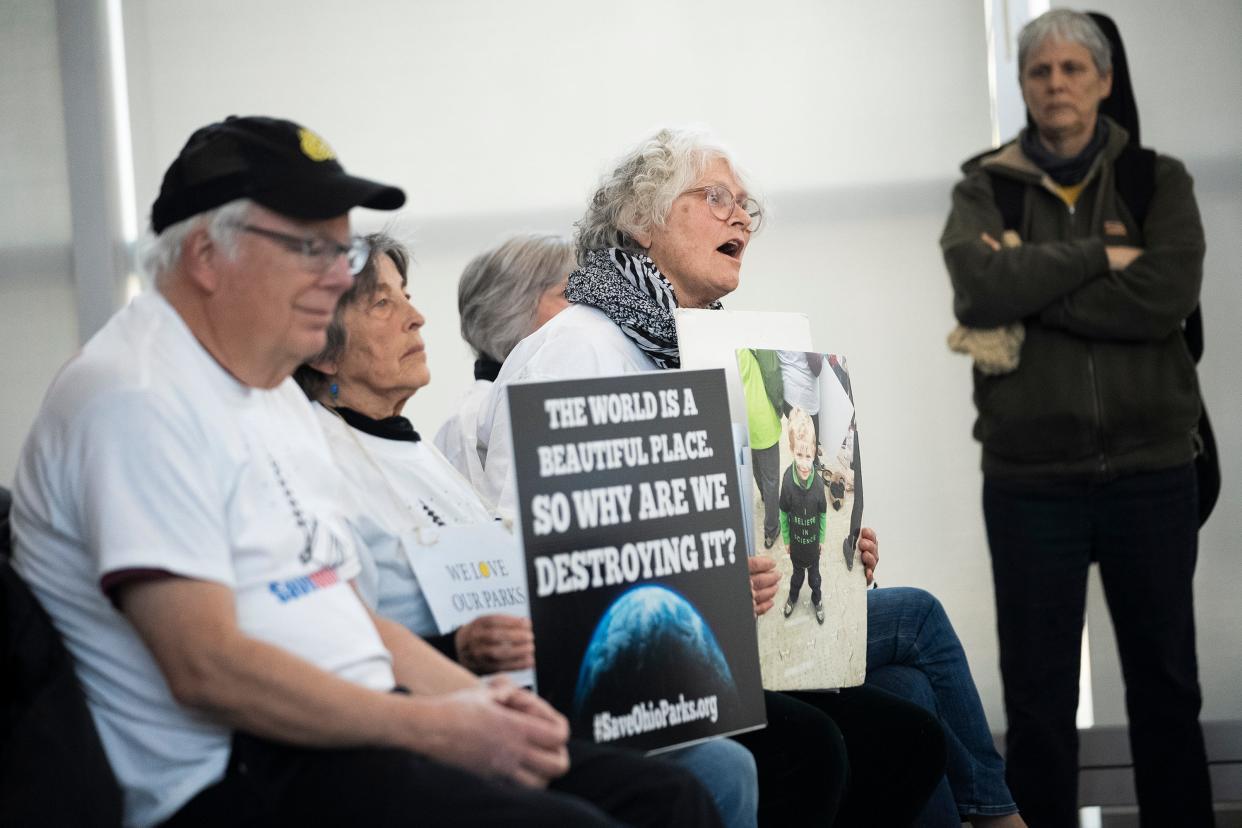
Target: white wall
(39, 327)
(480, 106)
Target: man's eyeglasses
(319, 253)
(720, 200)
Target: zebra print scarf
(633, 293)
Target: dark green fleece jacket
(1105, 385)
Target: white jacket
(579, 342)
(458, 435)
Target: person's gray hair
(638, 194)
(315, 383)
(1068, 25)
(499, 291)
(160, 253)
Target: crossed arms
(1082, 285)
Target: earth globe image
(651, 645)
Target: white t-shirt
(577, 343)
(147, 457)
(458, 438)
(394, 488)
(801, 386)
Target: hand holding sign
(469, 575)
(869, 552)
(496, 643)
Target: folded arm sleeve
(1150, 298)
(996, 287)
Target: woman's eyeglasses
(720, 200)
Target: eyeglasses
(319, 253)
(720, 200)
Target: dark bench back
(53, 770)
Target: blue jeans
(727, 771)
(913, 652)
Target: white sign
(469, 571)
(711, 339)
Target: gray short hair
(639, 192)
(1068, 25)
(315, 382)
(500, 289)
(160, 253)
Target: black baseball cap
(279, 164)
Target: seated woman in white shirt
(505, 293)
(403, 490)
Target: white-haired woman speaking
(668, 228)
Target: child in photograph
(804, 513)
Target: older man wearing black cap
(175, 512)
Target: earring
(334, 391)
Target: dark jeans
(896, 753)
(273, 784)
(860, 757)
(1142, 529)
(802, 763)
(811, 574)
(766, 464)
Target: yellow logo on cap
(484, 569)
(314, 147)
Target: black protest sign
(635, 557)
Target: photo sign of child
(807, 514)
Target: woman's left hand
(495, 643)
(869, 551)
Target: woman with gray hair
(676, 199)
(504, 294)
(668, 228)
(1079, 253)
